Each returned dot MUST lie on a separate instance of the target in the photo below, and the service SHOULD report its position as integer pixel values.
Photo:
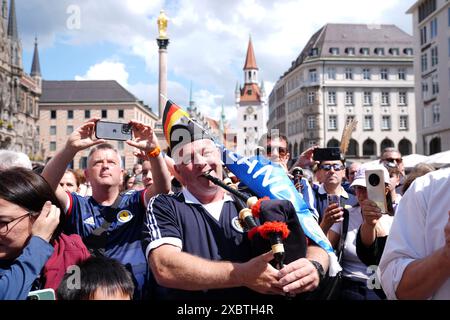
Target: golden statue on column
(162, 25)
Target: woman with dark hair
(34, 253)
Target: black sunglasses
(336, 167)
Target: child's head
(99, 278)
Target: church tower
(251, 107)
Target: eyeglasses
(328, 167)
(398, 160)
(4, 226)
(281, 150)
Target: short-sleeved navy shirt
(169, 216)
(124, 234)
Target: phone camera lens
(374, 179)
(126, 128)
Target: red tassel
(252, 232)
(274, 227)
(256, 209)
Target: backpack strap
(340, 249)
(97, 240)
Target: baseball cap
(360, 175)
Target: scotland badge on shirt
(124, 216)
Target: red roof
(250, 93)
(250, 61)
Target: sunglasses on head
(281, 150)
(336, 167)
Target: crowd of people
(162, 231)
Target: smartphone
(321, 154)
(113, 131)
(44, 294)
(375, 185)
(333, 198)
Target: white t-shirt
(417, 230)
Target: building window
(367, 98)
(408, 51)
(69, 130)
(245, 117)
(332, 98)
(385, 99)
(311, 97)
(245, 129)
(348, 74)
(403, 123)
(331, 72)
(426, 8)
(368, 122)
(401, 74)
(349, 118)
(386, 123)
(379, 51)
(121, 113)
(402, 100)
(334, 51)
(366, 74)
(350, 51)
(104, 113)
(332, 123)
(120, 145)
(424, 61)
(364, 51)
(52, 130)
(394, 51)
(384, 74)
(312, 75)
(311, 122)
(87, 114)
(433, 28)
(424, 90)
(349, 98)
(434, 84)
(256, 129)
(52, 146)
(53, 114)
(436, 113)
(423, 36)
(255, 117)
(434, 56)
(69, 114)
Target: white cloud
(106, 70)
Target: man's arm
(176, 269)
(54, 170)
(145, 140)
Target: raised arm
(145, 140)
(81, 138)
(176, 269)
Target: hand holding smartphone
(113, 131)
(375, 185)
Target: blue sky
(115, 39)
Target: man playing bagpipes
(195, 243)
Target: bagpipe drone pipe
(270, 225)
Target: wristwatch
(319, 269)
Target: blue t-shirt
(123, 235)
(169, 216)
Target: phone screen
(44, 294)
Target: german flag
(172, 114)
